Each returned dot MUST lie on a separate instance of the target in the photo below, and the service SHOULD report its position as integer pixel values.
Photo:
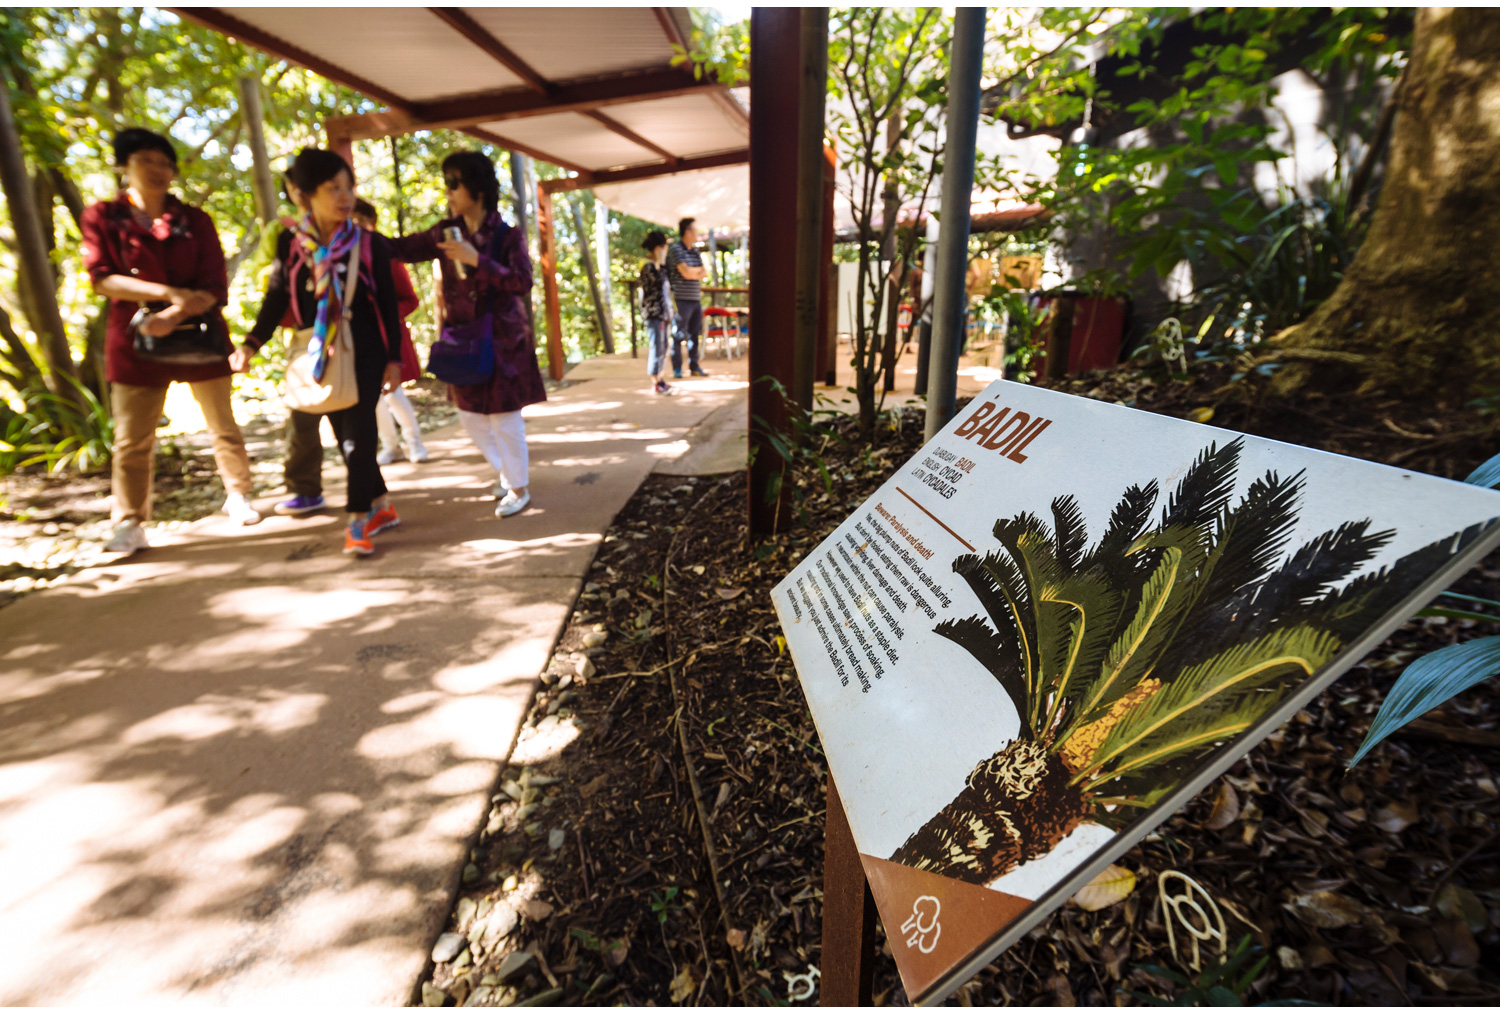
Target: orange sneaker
(377, 522)
(357, 539)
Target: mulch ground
(659, 838)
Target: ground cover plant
(658, 836)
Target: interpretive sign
(1061, 619)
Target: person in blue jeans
(656, 308)
(686, 271)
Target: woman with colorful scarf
(309, 277)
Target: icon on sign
(922, 926)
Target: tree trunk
(32, 261)
(1415, 313)
(252, 118)
(605, 334)
(1017, 805)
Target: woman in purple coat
(495, 278)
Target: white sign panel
(1061, 619)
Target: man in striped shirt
(685, 270)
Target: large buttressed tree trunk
(1419, 310)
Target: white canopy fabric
(718, 198)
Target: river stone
(513, 965)
(448, 945)
(432, 997)
(555, 839)
(466, 911)
(500, 923)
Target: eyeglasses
(453, 182)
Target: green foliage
(1430, 681)
(74, 431)
(1438, 676)
(664, 904)
(800, 450)
(1224, 983)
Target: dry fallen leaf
(535, 909)
(1113, 884)
(1458, 903)
(728, 594)
(683, 985)
(615, 956)
(1226, 808)
(1202, 414)
(1396, 817)
(736, 939)
(1326, 910)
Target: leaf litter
(693, 786)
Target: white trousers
(398, 401)
(501, 438)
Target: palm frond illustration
(1130, 661)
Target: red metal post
(547, 259)
(848, 914)
(775, 66)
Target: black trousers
(304, 454)
(359, 438)
(690, 330)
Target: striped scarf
(328, 291)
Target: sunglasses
(453, 182)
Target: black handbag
(192, 342)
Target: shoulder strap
(352, 274)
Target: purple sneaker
(301, 504)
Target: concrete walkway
(241, 767)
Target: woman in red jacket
(146, 247)
(496, 280)
(395, 401)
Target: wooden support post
(340, 142)
(547, 256)
(828, 326)
(848, 967)
(775, 73)
(1060, 337)
(811, 101)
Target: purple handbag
(464, 354)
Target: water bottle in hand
(456, 235)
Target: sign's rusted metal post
(547, 258)
(950, 296)
(775, 74)
(848, 914)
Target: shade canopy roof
(590, 89)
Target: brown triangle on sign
(933, 923)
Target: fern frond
(1125, 524)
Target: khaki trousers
(137, 412)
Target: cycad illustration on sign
(1130, 661)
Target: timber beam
(519, 103)
(587, 180)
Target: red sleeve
(98, 252)
(211, 276)
(407, 300)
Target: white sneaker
(416, 452)
(128, 538)
(511, 504)
(385, 456)
(499, 491)
(238, 507)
